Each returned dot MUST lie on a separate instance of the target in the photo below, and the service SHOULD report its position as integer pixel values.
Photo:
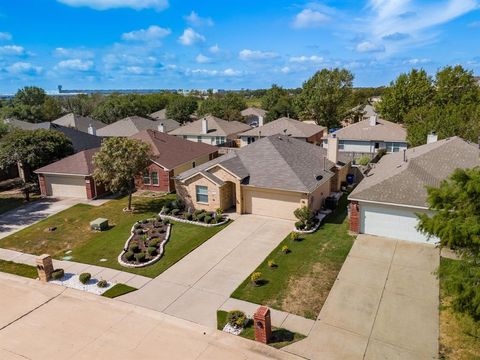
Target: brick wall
(90, 186)
(165, 183)
(354, 217)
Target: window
(341, 145)
(377, 145)
(250, 139)
(154, 176)
(392, 147)
(194, 164)
(202, 193)
(146, 178)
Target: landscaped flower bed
(177, 212)
(146, 243)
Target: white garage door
(279, 205)
(391, 222)
(66, 186)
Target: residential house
(211, 130)
(386, 202)
(369, 136)
(159, 115)
(254, 116)
(171, 156)
(70, 177)
(299, 130)
(81, 123)
(134, 124)
(289, 174)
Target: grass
(12, 201)
(18, 269)
(118, 290)
(280, 337)
(302, 279)
(73, 233)
(459, 333)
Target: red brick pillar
(90, 187)
(43, 185)
(354, 217)
(263, 324)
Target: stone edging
(155, 259)
(198, 223)
(315, 228)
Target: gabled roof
(78, 164)
(286, 164)
(171, 151)
(293, 128)
(78, 122)
(216, 127)
(395, 181)
(253, 111)
(25, 125)
(134, 124)
(159, 115)
(382, 131)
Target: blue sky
(228, 44)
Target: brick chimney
(332, 149)
(204, 126)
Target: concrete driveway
(383, 305)
(199, 284)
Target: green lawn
(303, 278)
(18, 269)
(11, 201)
(280, 337)
(87, 246)
(118, 290)
(459, 333)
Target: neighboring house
(369, 136)
(211, 130)
(70, 177)
(159, 115)
(81, 123)
(299, 130)
(171, 156)
(385, 203)
(134, 124)
(254, 116)
(80, 140)
(289, 174)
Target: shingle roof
(159, 115)
(286, 164)
(383, 131)
(134, 124)
(171, 151)
(397, 182)
(78, 164)
(216, 127)
(78, 122)
(253, 111)
(293, 128)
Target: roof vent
(318, 177)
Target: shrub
(134, 248)
(300, 225)
(175, 212)
(165, 221)
(139, 231)
(187, 216)
(102, 284)
(207, 219)
(137, 226)
(58, 274)
(285, 249)
(364, 160)
(152, 251)
(198, 212)
(129, 255)
(218, 212)
(236, 318)
(154, 242)
(214, 221)
(255, 277)
(140, 257)
(201, 216)
(272, 264)
(166, 210)
(294, 236)
(85, 278)
(303, 214)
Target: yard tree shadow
(281, 335)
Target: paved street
(384, 305)
(195, 287)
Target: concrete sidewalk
(383, 305)
(199, 284)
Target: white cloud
(195, 20)
(215, 49)
(416, 61)
(73, 53)
(307, 59)
(152, 33)
(202, 59)
(12, 50)
(113, 4)
(5, 36)
(309, 18)
(75, 65)
(367, 46)
(136, 70)
(247, 54)
(231, 72)
(190, 37)
(285, 70)
(24, 68)
(211, 72)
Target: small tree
(304, 214)
(118, 162)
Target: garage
(271, 203)
(389, 221)
(66, 186)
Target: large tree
(180, 108)
(117, 163)
(278, 102)
(455, 85)
(227, 107)
(407, 92)
(115, 107)
(325, 97)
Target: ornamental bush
(129, 255)
(166, 210)
(134, 248)
(175, 212)
(154, 242)
(102, 284)
(198, 212)
(294, 236)
(207, 219)
(255, 277)
(187, 216)
(285, 249)
(272, 264)
(152, 251)
(304, 214)
(201, 216)
(58, 274)
(85, 278)
(140, 257)
(300, 225)
(236, 318)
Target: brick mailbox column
(354, 217)
(44, 267)
(263, 324)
